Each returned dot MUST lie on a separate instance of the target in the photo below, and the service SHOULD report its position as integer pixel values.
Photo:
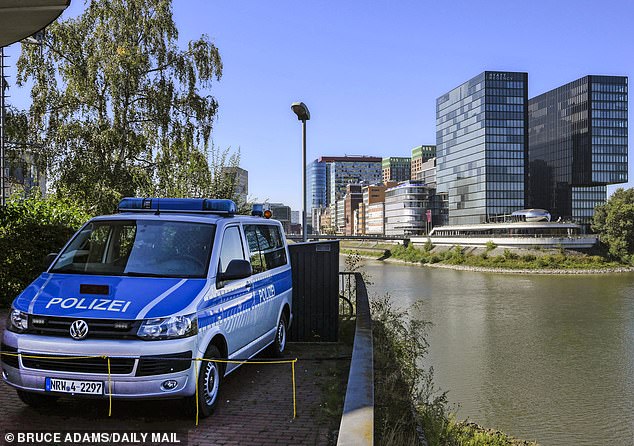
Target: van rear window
(266, 246)
(146, 248)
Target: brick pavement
(255, 407)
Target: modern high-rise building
(316, 192)
(481, 142)
(577, 146)
(240, 179)
(282, 213)
(344, 170)
(420, 155)
(396, 169)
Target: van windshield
(146, 248)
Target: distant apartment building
(420, 155)
(339, 216)
(577, 146)
(482, 141)
(23, 173)
(406, 208)
(375, 218)
(240, 177)
(373, 208)
(396, 169)
(282, 213)
(359, 220)
(353, 197)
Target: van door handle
(248, 285)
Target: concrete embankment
(482, 269)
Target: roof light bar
(184, 205)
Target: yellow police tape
(222, 361)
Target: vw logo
(79, 329)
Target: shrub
(455, 256)
(29, 230)
(428, 246)
(510, 255)
(491, 245)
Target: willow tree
(119, 107)
(614, 222)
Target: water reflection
(549, 358)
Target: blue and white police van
(159, 283)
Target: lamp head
(300, 109)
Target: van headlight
(18, 321)
(172, 327)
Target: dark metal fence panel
(315, 268)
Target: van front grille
(11, 359)
(57, 363)
(97, 328)
(161, 364)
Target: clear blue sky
(370, 71)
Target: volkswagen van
(152, 287)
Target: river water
(546, 358)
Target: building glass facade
(315, 185)
(406, 207)
(481, 137)
(577, 146)
(350, 170)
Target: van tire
(209, 380)
(281, 335)
(36, 400)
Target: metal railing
(357, 421)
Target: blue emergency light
(184, 205)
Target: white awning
(22, 18)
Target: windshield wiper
(141, 274)
(169, 276)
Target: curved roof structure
(22, 18)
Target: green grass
(509, 259)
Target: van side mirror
(49, 259)
(237, 269)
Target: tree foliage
(119, 107)
(614, 222)
(29, 230)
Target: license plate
(74, 386)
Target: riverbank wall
(482, 269)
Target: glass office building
(481, 141)
(315, 185)
(577, 146)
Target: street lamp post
(300, 109)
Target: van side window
(231, 248)
(266, 246)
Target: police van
(150, 288)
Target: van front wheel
(279, 345)
(209, 379)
